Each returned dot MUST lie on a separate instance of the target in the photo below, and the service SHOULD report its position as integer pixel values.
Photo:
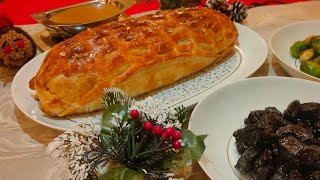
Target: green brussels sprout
(306, 55)
(309, 39)
(297, 48)
(317, 60)
(315, 43)
(311, 68)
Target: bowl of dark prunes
(281, 145)
(261, 128)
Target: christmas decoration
(220, 5)
(16, 46)
(131, 143)
(170, 131)
(147, 126)
(239, 11)
(173, 4)
(134, 114)
(235, 10)
(176, 135)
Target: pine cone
(239, 11)
(236, 11)
(220, 5)
(215, 3)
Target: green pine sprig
(115, 95)
(174, 4)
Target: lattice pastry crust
(136, 55)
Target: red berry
(176, 135)
(20, 43)
(165, 136)
(170, 131)
(176, 144)
(157, 130)
(134, 114)
(7, 49)
(147, 126)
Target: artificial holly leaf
(108, 124)
(193, 149)
(114, 108)
(194, 145)
(122, 173)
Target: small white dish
(282, 39)
(224, 110)
(188, 92)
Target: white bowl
(285, 37)
(224, 110)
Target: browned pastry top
(113, 52)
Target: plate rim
(14, 83)
(281, 61)
(188, 103)
(230, 85)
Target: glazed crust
(137, 55)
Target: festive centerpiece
(136, 140)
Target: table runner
(23, 141)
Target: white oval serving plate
(249, 56)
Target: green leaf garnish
(108, 125)
(194, 145)
(193, 149)
(122, 173)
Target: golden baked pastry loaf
(136, 55)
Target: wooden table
(23, 141)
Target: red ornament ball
(170, 131)
(20, 43)
(147, 126)
(134, 114)
(157, 130)
(176, 144)
(176, 135)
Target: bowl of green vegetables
(297, 48)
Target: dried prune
(281, 146)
